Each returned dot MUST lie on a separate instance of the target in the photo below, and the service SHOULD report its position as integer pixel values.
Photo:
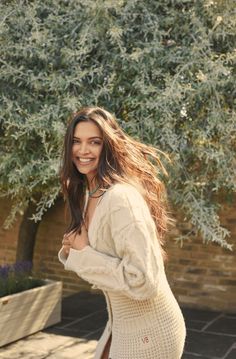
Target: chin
(87, 171)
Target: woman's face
(87, 148)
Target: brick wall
(204, 276)
(200, 275)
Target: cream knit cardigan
(124, 260)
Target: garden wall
(201, 276)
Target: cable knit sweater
(124, 260)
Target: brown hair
(123, 159)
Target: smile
(85, 160)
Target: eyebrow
(90, 138)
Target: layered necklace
(94, 191)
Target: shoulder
(126, 205)
(122, 195)
(124, 191)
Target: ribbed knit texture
(124, 260)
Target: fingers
(72, 239)
(66, 250)
(66, 242)
(68, 238)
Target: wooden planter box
(27, 312)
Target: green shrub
(165, 68)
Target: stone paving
(210, 335)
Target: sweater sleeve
(136, 268)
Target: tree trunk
(27, 235)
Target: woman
(118, 219)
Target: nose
(83, 149)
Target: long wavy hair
(123, 159)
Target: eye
(75, 140)
(94, 142)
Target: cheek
(96, 150)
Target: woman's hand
(75, 241)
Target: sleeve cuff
(72, 254)
(61, 256)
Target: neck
(91, 184)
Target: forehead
(87, 129)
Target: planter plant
(27, 303)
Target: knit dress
(124, 260)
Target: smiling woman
(115, 237)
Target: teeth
(85, 159)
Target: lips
(84, 161)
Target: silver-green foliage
(165, 68)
